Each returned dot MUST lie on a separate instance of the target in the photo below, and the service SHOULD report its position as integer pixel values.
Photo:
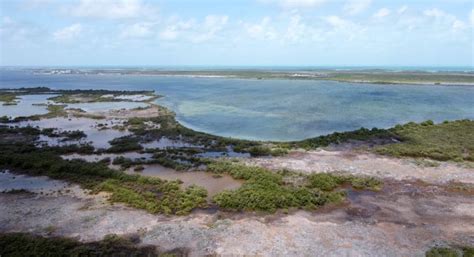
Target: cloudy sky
(237, 32)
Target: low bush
(124, 144)
(328, 182)
(264, 190)
(22, 244)
(447, 141)
(462, 251)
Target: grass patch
(361, 134)
(8, 98)
(124, 144)
(328, 182)
(23, 244)
(264, 190)
(462, 251)
(447, 141)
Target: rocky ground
(365, 163)
(405, 219)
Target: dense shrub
(264, 190)
(361, 134)
(22, 244)
(445, 141)
(124, 144)
(328, 182)
(462, 251)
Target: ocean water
(275, 109)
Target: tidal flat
(161, 187)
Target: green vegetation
(152, 194)
(139, 168)
(361, 134)
(166, 125)
(445, 141)
(463, 251)
(377, 76)
(8, 98)
(94, 96)
(383, 77)
(264, 190)
(22, 244)
(67, 135)
(450, 140)
(124, 144)
(328, 182)
(46, 90)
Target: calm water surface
(275, 109)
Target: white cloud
(354, 7)
(344, 28)
(301, 3)
(25, 33)
(194, 31)
(337, 22)
(111, 9)
(30, 4)
(294, 4)
(471, 17)
(383, 12)
(434, 13)
(296, 31)
(176, 27)
(402, 9)
(459, 25)
(444, 19)
(68, 33)
(137, 30)
(262, 30)
(169, 33)
(210, 27)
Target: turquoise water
(276, 109)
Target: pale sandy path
(363, 163)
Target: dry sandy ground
(364, 163)
(403, 220)
(151, 111)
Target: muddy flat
(405, 219)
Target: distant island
(416, 76)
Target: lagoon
(280, 110)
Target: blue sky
(236, 33)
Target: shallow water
(212, 184)
(165, 143)
(26, 106)
(58, 141)
(98, 138)
(276, 109)
(229, 153)
(9, 181)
